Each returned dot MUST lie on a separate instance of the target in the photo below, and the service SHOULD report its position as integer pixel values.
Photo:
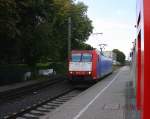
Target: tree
(8, 31)
(35, 30)
(81, 26)
(120, 56)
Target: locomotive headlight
(70, 72)
(89, 72)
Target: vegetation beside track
(15, 72)
(36, 31)
(115, 67)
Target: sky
(116, 20)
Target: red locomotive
(88, 65)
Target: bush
(15, 73)
(60, 67)
(12, 73)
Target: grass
(115, 67)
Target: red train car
(88, 65)
(142, 58)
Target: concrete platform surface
(104, 100)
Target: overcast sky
(116, 20)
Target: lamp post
(69, 36)
(101, 33)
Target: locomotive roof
(83, 51)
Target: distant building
(112, 55)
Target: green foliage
(15, 72)
(37, 30)
(12, 73)
(120, 56)
(8, 30)
(59, 67)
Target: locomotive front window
(76, 57)
(86, 57)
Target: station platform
(110, 98)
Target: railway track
(43, 107)
(35, 102)
(18, 92)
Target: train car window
(76, 57)
(86, 57)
